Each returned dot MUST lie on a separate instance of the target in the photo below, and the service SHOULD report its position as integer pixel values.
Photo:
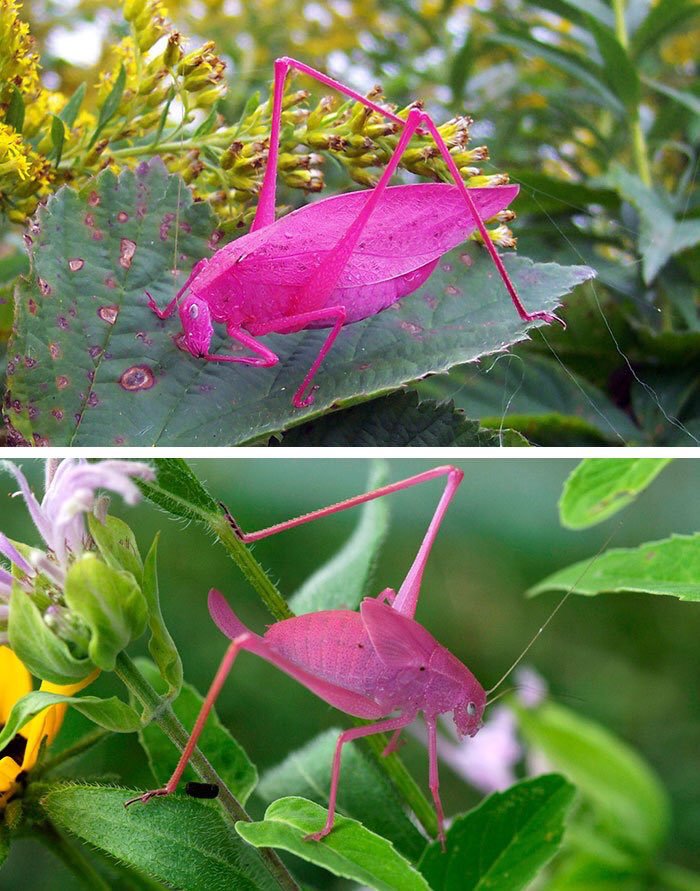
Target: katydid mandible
(335, 261)
(370, 664)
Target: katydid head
(197, 328)
(469, 713)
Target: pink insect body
(335, 261)
(372, 664)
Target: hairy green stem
(251, 569)
(676, 878)
(165, 718)
(73, 858)
(639, 144)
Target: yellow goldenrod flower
(20, 756)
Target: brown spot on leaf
(40, 440)
(110, 282)
(108, 313)
(62, 323)
(75, 264)
(138, 377)
(413, 330)
(29, 362)
(44, 287)
(451, 290)
(216, 237)
(165, 226)
(466, 259)
(32, 307)
(57, 413)
(127, 249)
(55, 351)
(97, 235)
(94, 351)
(118, 440)
(93, 199)
(122, 216)
(90, 219)
(92, 399)
(62, 382)
(28, 239)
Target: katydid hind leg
(434, 779)
(219, 679)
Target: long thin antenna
(554, 612)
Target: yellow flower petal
(47, 723)
(9, 771)
(16, 682)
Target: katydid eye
(471, 709)
(194, 312)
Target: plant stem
(639, 144)
(251, 569)
(73, 858)
(165, 718)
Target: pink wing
(412, 226)
(399, 642)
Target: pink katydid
(370, 664)
(335, 261)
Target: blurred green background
(628, 661)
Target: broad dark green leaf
(505, 841)
(545, 402)
(91, 364)
(178, 840)
(112, 713)
(221, 749)
(630, 803)
(161, 646)
(367, 796)
(600, 487)
(401, 419)
(683, 97)
(620, 73)
(4, 844)
(350, 851)
(670, 567)
(345, 579)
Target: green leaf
(599, 488)
(178, 490)
(401, 419)
(571, 63)
(620, 73)
(629, 802)
(670, 567)
(117, 544)
(104, 370)
(350, 851)
(659, 236)
(663, 17)
(110, 105)
(345, 579)
(683, 97)
(181, 841)
(70, 110)
(110, 602)
(505, 841)
(14, 116)
(112, 713)
(547, 403)
(4, 844)
(369, 796)
(231, 762)
(45, 655)
(58, 135)
(161, 646)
